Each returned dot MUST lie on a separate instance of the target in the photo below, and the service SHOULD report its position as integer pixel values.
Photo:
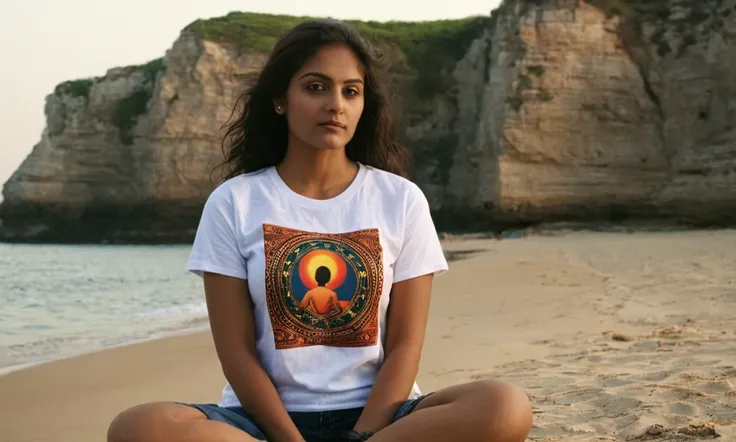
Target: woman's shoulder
(384, 178)
(236, 187)
(241, 181)
(395, 186)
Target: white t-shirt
(320, 275)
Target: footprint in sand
(682, 408)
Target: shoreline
(8, 369)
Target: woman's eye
(315, 87)
(352, 92)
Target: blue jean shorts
(317, 426)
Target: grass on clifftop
(75, 88)
(429, 46)
(259, 32)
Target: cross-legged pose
(318, 255)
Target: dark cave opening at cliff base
(600, 216)
(153, 222)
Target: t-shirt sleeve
(215, 248)
(421, 252)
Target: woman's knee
(142, 423)
(504, 409)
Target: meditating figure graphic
(320, 300)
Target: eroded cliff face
(130, 156)
(559, 110)
(620, 116)
(587, 114)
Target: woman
(317, 257)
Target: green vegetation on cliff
(430, 47)
(686, 20)
(76, 88)
(131, 107)
(642, 10)
(127, 109)
(258, 32)
(634, 9)
(127, 112)
(152, 68)
(83, 86)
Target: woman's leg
(166, 422)
(482, 411)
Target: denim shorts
(317, 426)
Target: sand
(614, 336)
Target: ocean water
(58, 301)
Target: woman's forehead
(336, 61)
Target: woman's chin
(329, 143)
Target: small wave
(5, 369)
(186, 312)
(19, 356)
(148, 325)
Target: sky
(46, 42)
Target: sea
(59, 301)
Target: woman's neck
(317, 174)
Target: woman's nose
(336, 102)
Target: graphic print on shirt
(323, 289)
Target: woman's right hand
(231, 319)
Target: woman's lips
(332, 125)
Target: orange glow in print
(322, 258)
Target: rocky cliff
(596, 111)
(545, 110)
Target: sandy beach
(614, 336)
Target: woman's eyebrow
(327, 78)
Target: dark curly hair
(257, 137)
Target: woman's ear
(279, 106)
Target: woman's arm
(406, 325)
(233, 331)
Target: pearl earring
(278, 110)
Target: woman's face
(325, 99)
